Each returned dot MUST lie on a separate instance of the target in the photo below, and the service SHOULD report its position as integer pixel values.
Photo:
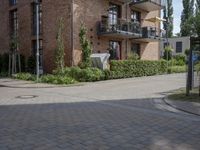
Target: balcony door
(114, 13)
(135, 48)
(115, 50)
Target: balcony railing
(119, 28)
(150, 34)
(149, 5)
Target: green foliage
(14, 42)
(132, 68)
(179, 60)
(195, 24)
(187, 14)
(31, 64)
(197, 67)
(168, 53)
(177, 69)
(57, 79)
(187, 52)
(86, 48)
(82, 75)
(60, 48)
(133, 56)
(25, 76)
(168, 15)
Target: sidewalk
(189, 107)
(13, 83)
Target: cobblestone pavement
(112, 115)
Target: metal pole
(37, 38)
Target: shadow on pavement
(101, 125)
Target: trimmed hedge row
(137, 68)
(82, 75)
(119, 69)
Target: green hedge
(177, 69)
(56, 79)
(82, 75)
(138, 68)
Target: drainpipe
(128, 27)
(72, 33)
(37, 38)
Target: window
(135, 16)
(34, 21)
(179, 46)
(13, 2)
(135, 48)
(34, 50)
(114, 13)
(115, 50)
(13, 23)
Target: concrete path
(119, 114)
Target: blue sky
(178, 7)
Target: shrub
(168, 53)
(107, 74)
(82, 75)
(187, 52)
(133, 56)
(197, 67)
(174, 62)
(60, 48)
(177, 69)
(57, 79)
(25, 76)
(180, 60)
(131, 68)
(86, 47)
(90, 74)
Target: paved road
(111, 115)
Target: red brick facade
(74, 13)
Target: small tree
(14, 43)
(168, 53)
(86, 48)
(60, 48)
(13, 55)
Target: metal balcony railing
(120, 28)
(153, 33)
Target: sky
(178, 7)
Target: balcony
(151, 34)
(148, 5)
(119, 29)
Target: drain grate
(27, 96)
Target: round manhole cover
(26, 96)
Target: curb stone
(170, 103)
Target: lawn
(181, 95)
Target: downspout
(72, 33)
(128, 27)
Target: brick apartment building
(111, 24)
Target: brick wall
(88, 12)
